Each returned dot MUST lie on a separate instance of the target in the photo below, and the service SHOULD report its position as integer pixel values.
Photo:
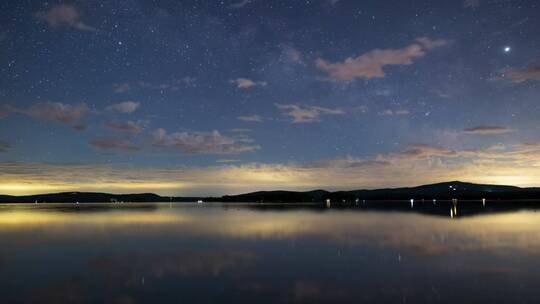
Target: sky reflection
(239, 254)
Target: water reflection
(268, 253)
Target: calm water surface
(163, 253)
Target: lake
(233, 253)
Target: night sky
(221, 97)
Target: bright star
(507, 49)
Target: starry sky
(221, 97)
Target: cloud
(5, 110)
(113, 144)
(128, 126)
(56, 111)
(203, 142)
(245, 83)
(122, 87)
(424, 151)
(516, 164)
(187, 81)
(241, 4)
(227, 161)
(124, 107)
(173, 85)
(303, 114)
(290, 54)
(530, 72)
(370, 65)
(4, 146)
(251, 118)
(80, 127)
(471, 3)
(394, 112)
(64, 15)
(488, 130)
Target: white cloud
(370, 64)
(241, 3)
(64, 15)
(122, 87)
(245, 83)
(390, 112)
(471, 3)
(302, 114)
(251, 118)
(124, 106)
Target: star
(507, 49)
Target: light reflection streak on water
(517, 230)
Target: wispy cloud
(64, 15)
(113, 144)
(530, 72)
(57, 112)
(4, 146)
(390, 112)
(128, 126)
(415, 164)
(124, 106)
(203, 142)
(251, 118)
(227, 161)
(471, 3)
(121, 87)
(5, 110)
(303, 114)
(290, 54)
(240, 4)
(370, 65)
(173, 85)
(52, 111)
(245, 83)
(488, 130)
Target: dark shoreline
(440, 192)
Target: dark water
(236, 254)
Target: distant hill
(91, 197)
(439, 191)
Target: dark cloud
(4, 146)
(5, 110)
(423, 151)
(488, 130)
(113, 144)
(128, 126)
(57, 112)
(203, 142)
